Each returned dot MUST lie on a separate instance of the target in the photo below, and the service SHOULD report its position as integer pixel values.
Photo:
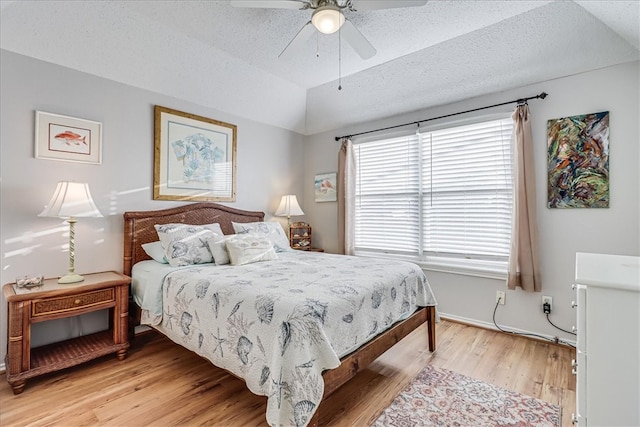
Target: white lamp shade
(71, 199)
(289, 206)
(327, 19)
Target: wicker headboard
(139, 225)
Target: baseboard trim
(141, 329)
(486, 325)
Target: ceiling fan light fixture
(327, 19)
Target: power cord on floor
(558, 327)
(554, 340)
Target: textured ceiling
(227, 58)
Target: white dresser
(607, 361)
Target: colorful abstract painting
(578, 161)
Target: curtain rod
(520, 101)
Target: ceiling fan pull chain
(340, 58)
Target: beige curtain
(524, 258)
(346, 196)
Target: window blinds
(445, 193)
(388, 195)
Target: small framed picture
(325, 187)
(67, 138)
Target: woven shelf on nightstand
(300, 236)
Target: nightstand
(98, 291)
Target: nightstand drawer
(50, 306)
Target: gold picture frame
(194, 157)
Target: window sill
(486, 269)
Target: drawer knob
(76, 302)
(574, 304)
(574, 329)
(574, 363)
(574, 419)
(573, 286)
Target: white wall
(563, 232)
(269, 162)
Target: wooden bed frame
(139, 229)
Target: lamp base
(71, 278)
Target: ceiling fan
(327, 18)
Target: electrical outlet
(547, 300)
(501, 297)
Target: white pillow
(250, 248)
(186, 244)
(155, 251)
(218, 248)
(272, 230)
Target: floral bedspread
(279, 324)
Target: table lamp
(289, 207)
(71, 200)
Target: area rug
(438, 397)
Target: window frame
(493, 269)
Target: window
(443, 196)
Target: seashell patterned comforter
(279, 324)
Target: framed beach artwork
(578, 161)
(194, 158)
(67, 138)
(325, 187)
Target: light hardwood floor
(161, 384)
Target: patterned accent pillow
(186, 244)
(155, 251)
(218, 248)
(249, 248)
(272, 230)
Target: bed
(289, 327)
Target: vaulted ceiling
(226, 58)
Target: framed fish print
(194, 157)
(67, 138)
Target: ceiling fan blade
(270, 4)
(363, 5)
(298, 41)
(357, 41)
